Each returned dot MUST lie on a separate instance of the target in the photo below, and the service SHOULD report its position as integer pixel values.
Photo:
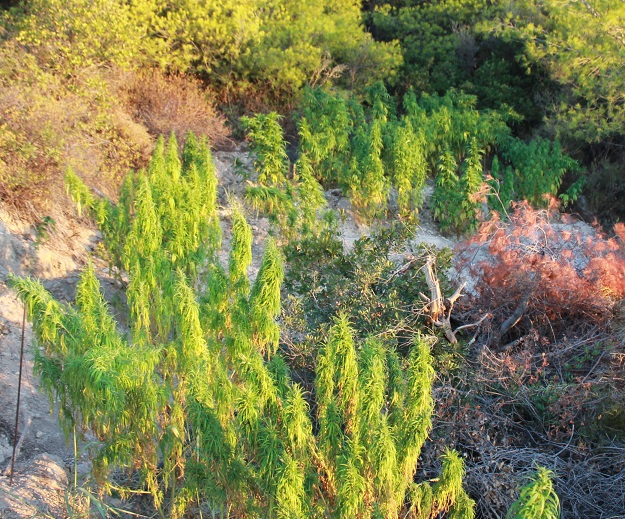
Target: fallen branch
(472, 325)
(437, 307)
(516, 316)
(402, 268)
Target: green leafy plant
(409, 167)
(538, 168)
(294, 204)
(43, 229)
(269, 147)
(380, 298)
(197, 398)
(537, 498)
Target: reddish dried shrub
(542, 271)
(173, 103)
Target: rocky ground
(56, 256)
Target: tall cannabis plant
(196, 397)
(267, 143)
(293, 205)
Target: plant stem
(19, 393)
(75, 460)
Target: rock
(6, 450)
(39, 489)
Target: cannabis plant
(194, 397)
(537, 499)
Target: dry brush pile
(543, 380)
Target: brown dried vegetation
(550, 389)
(173, 103)
(100, 121)
(542, 272)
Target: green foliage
(367, 184)
(362, 283)
(375, 441)
(102, 383)
(367, 148)
(277, 204)
(165, 221)
(243, 46)
(502, 187)
(313, 41)
(449, 44)
(265, 301)
(309, 196)
(447, 197)
(293, 204)
(197, 398)
(536, 169)
(409, 167)
(537, 498)
(72, 35)
(472, 181)
(325, 126)
(269, 147)
(447, 492)
(579, 43)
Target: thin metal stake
(19, 393)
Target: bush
(543, 271)
(48, 124)
(380, 297)
(172, 103)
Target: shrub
(543, 271)
(172, 103)
(48, 124)
(364, 283)
(537, 169)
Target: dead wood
(439, 308)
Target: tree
(582, 44)
(449, 44)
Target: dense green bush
(449, 44)
(364, 283)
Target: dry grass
(101, 122)
(588, 484)
(556, 404)
(550, 391)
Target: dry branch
(516, 316)
(439, 308)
